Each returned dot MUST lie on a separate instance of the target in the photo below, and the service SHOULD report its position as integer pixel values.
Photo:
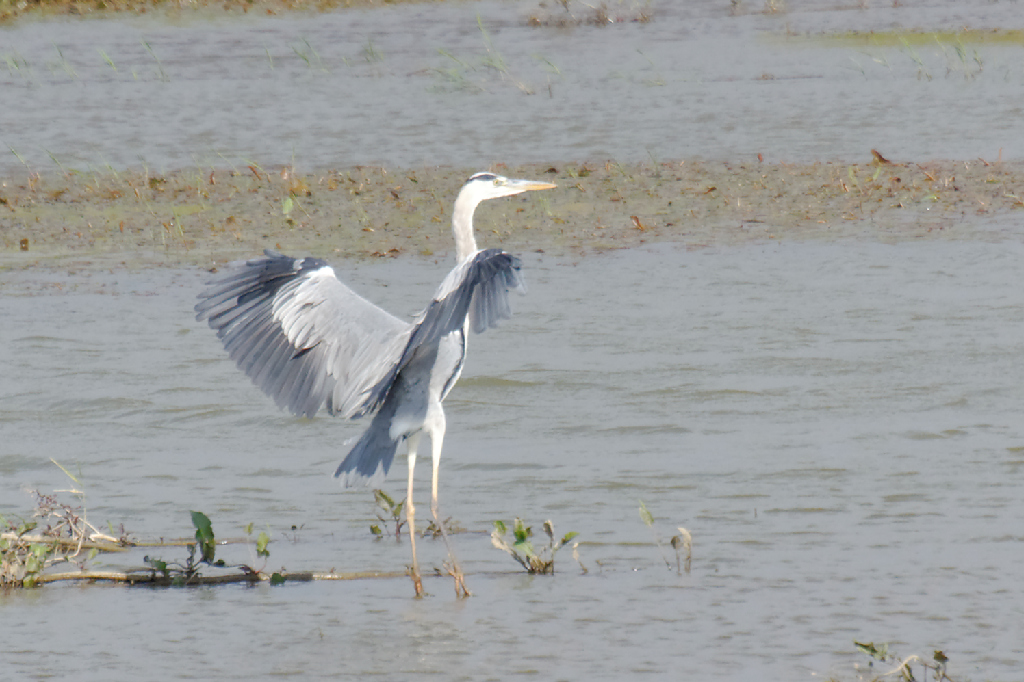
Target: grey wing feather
(497, 275)
(478, 288)
(302, 336)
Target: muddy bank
(207, 215)
(559, 15)
(10, 10)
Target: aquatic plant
(457, 74)
(188, 572)
(60, 535)
(58, 532)
(659, 78)
(495, 61)
(681, 543)
(393, 512)
(159, 64)
(522, 550)
(920, 47)
(107, 59)
(262, 540)
(904, 666)
(390, 515)
(434, 531)
(181, 573)
(309, 55)
(63, 63)
(16, 64)
(370, 53)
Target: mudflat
(207, 215)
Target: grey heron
(310, 342)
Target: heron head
(483, 186)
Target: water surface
(448, 84)
(838, 426)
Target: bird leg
(410, 518)
(460, 580)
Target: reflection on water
(422, 85)
(838, 425)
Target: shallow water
(838, 426)
(423, 85)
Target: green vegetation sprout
(521, 548)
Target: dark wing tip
(239, 306)
(497, 274)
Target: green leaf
(524, 547)
(876, 652)
(287, 205)
(39, 550)
(383, 500)
(248, 528)
(645, 515)
(277, 579)
(66, 472)
(568, 537)
(261, 544)
(157, 565)
(500, 527)
(202, 523)
(520, 530)
(375, 529)
(204, 535)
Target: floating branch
(150, 577)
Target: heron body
(311, 343)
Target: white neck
(462, 225)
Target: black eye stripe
(482, 176)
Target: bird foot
(461, 591)
(417, 582)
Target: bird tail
(370, 459)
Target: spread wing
(307, 340)
(478, 288)
(302, 336)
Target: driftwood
(149, 577)
(103, 545)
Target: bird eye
(497, 182)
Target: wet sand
(204, 216)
